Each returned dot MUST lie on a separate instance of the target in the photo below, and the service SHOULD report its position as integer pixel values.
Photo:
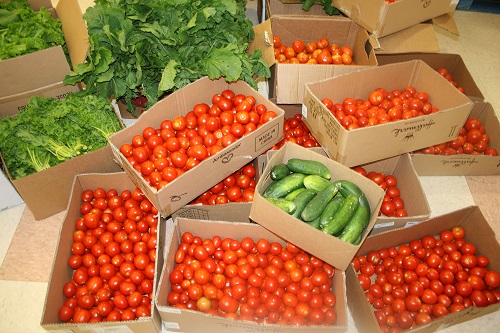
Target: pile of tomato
(113, 258)
(296, 131)
(162, 154)
(237, 187)
(447, 75)
(380, 107)
(472, 139)
(260, 281)
(319, 52)
(428, 278)
(392, 204)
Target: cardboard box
(232, 211)
(326, 247)
(464, 164)
(287, 80)
(181, 320)
(368, 144)
(41, 73)
(62, 273)
(190, 185)
(381, 18)
(452, 62)
(477, 231)
(411, 189)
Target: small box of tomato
(95, 268)
(252, 241)
(467, 225)
(184, 184)
(471, 164)
(430, 111)
(288, 79)
(325, 246)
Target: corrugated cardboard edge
(417, 38)
(446, 22)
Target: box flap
(74, 28)
(417, 38)
(264, 41)
(446, 22)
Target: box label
(459, 162)
(425, 3)
(265, 138)
(113, 329)
(168, 325)
(409, 130)
(227, 156)
(384, 225)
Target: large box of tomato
(371, 143)
(41, 73)
(179, 319)
(62, 273)
(288, 79)
(187, 186)
(321, 244)
(477, 231)
(381, 17)
(476, 164)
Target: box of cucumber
(316, 203)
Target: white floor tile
(9, 219)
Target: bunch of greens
(24, 31)
(158, 46)
(50, 131)
(327, 6)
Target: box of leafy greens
(46, 144)
(38, 44)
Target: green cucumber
(352, 232)
(309, 167)
(316, 205)
(286, 205)
(348, 187)
(279, 171)
(330, 210)
(280, 188)
(338, 222)
(316, 182)
(314, 223)
(290, 196)
(301, 200)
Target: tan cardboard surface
(326, 247)
(417, 38)
(465, 164)
(61, 272)
(364, 145)
(182, 190)
(193, 321)
(477, 231)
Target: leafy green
(24, 31)
(156, 47)
(50, 131)
(327, 6)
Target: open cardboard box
(452, 62)
(465, 164)
(326, 247)
(287, 80)
(368, 144)
(381, 18)
(62, 273)
(182, 320)
(41, 73)
(412, 193)
(477, 231)
(209, 172)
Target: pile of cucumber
(304, 189)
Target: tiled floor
(27, 246)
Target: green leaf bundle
(50, 131)
(156, 47)
(23, 31)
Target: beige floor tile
(21, 306)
